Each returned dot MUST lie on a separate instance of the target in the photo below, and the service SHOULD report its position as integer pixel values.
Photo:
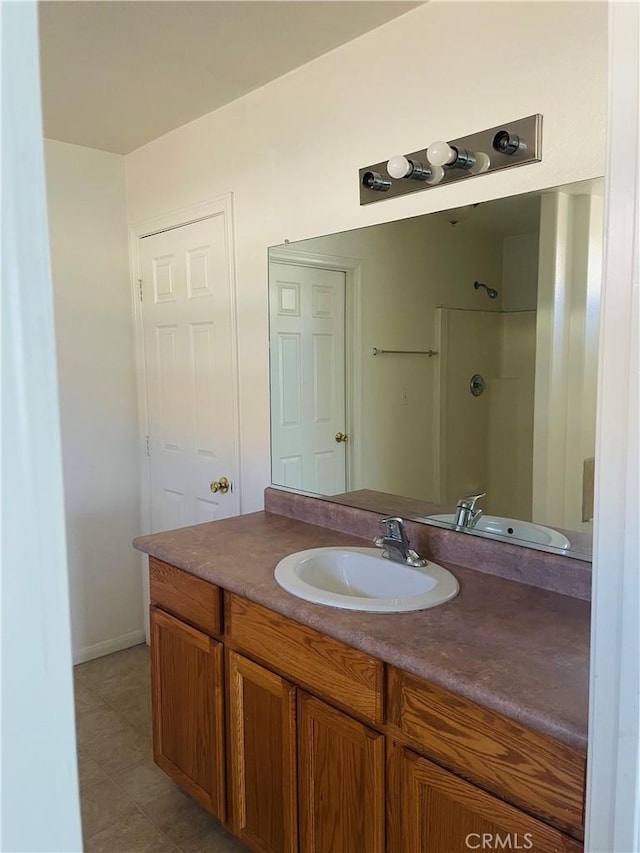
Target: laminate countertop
(512, 648)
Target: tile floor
(128, 804)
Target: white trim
(352, 269)
(39, 807)
(183, 216)
(613, 777)
(440, 402)
(141, 391)
(98, 650)
(176, 219)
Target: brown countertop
(512, 648)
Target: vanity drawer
(187, 597)
(541, 775)
(323, 665)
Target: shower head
(492, 293)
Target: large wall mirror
(416, 362)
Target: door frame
(167, 222)
(613, 764)
(352, 269)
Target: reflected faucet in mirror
(396, 544)
(467, 516)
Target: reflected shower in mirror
(419, 361)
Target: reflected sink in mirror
(362, 579)
(507, 529)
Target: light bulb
(399, 167)
(482, 163)
(440, 153)
(437, 174)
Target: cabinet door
(262, 737)
(441, 813)
(341, 781)
(188, 705)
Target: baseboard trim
(98, 650)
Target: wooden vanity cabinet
(324, 749)
(262, 756)
(303, 774)
(188, 712)
(346, 677)
(341, 781)
(437, 812)
(529, 770)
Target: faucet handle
(396, 543)
(394, 529)
(469, 501)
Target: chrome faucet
(467, 516)
(396, 544)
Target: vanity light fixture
(514, 144)
(400, 167)
(447, 156)
(508, 143)
(375, 181)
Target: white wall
(290, 151)
(94, 338)
(469, 343)
(511, 416)
(520, 272)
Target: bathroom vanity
(304, 727)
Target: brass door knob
(221, 485)
(341, 436)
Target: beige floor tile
(115, 751)
(110, 687)
(97, 724)
(135, 706)
(86, 700)
(144, 782)
(132, 664)
(145, 736)
(88, 771)
(115, 687)
(103, 804)
(179, 816)
(215, 840)
(139, 655)
(134, 834)
(132, 658)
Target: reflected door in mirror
(308, 377)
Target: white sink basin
(362, 579)
(511, 528)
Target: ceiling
(116, 75)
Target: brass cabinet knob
(340, 436)
(221, 485)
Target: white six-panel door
(189, 366)
(307, 377)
